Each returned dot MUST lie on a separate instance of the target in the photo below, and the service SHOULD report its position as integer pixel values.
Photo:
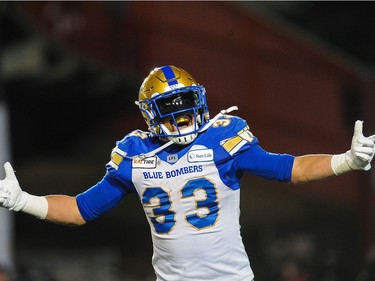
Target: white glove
(10, 191)
(359, 156)
(13, 198)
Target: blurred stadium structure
(70, 73)
(6, 218)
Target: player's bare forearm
(63, 209)
(310, 168)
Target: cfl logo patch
(172, 158)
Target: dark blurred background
(300, 72)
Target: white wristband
(35, 205)
(339, 163)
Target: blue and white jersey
(191, 197)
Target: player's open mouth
(183, 121)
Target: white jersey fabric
(200, 236)
(193, 214)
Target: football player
(186, 171)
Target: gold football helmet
(170, 93)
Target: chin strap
(204, 128)
(220, 114)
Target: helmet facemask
(176, 114)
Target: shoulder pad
(233, 125)
(233, 134)
(134, 143)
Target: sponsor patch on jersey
(201, 155)
(147, 163)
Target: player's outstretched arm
(59, 209)
(310, 168)
(63, 209)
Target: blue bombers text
(173, 173)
